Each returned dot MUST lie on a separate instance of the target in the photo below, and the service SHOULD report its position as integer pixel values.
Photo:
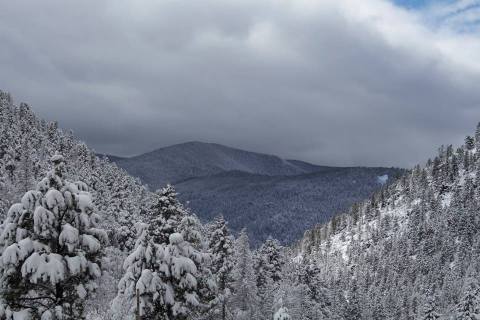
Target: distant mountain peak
(261, 192)
(191, 159)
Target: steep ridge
(412, 243)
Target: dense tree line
(80, 238)
(412, 250)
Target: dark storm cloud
(331, 82)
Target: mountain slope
(282, 207)
(267, 195)
(26, 145)
(415, 242)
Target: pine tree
(166, 271)
(353, 310)
(51, 250)
(469, 143)
(245, 297)
(429, 312)
(468, 306)
(477, 136)
(281, 314)
(269, 261)
(221, 245)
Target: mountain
(266, 194)
(413, 247)
(179, 162)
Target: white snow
(30, 199)
(90, 243)
(69, 237)
(22, 315)
(176, 238)
(57, 158)
(76, 265)
(81, 292)
(446, 199)
(44, 267)
(281, 314)
(43, 220)
(54, 200)
(382, 179)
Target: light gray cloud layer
(328, 81)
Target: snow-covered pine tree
(221, 245)
(269, 261)
(469, 143)
(281, 314)
(244, 302)
(353, 309)
(468, 307)
(50, 250)
(166, 213)
(429, 312)
(164, 269)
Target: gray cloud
(330, 82)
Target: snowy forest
(80, 238)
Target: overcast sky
(339, 82)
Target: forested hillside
(265, 194)
(26, 145)
(282, 207)
(82, 239)
(413, 249)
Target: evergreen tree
(281, 314)
(244, 302)
(469, 143)
(269, 261)
(221, 245)
(51, 250)
(468, 306)
(429, 312)
(164, 269)
(477, 136)
(353, 310)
